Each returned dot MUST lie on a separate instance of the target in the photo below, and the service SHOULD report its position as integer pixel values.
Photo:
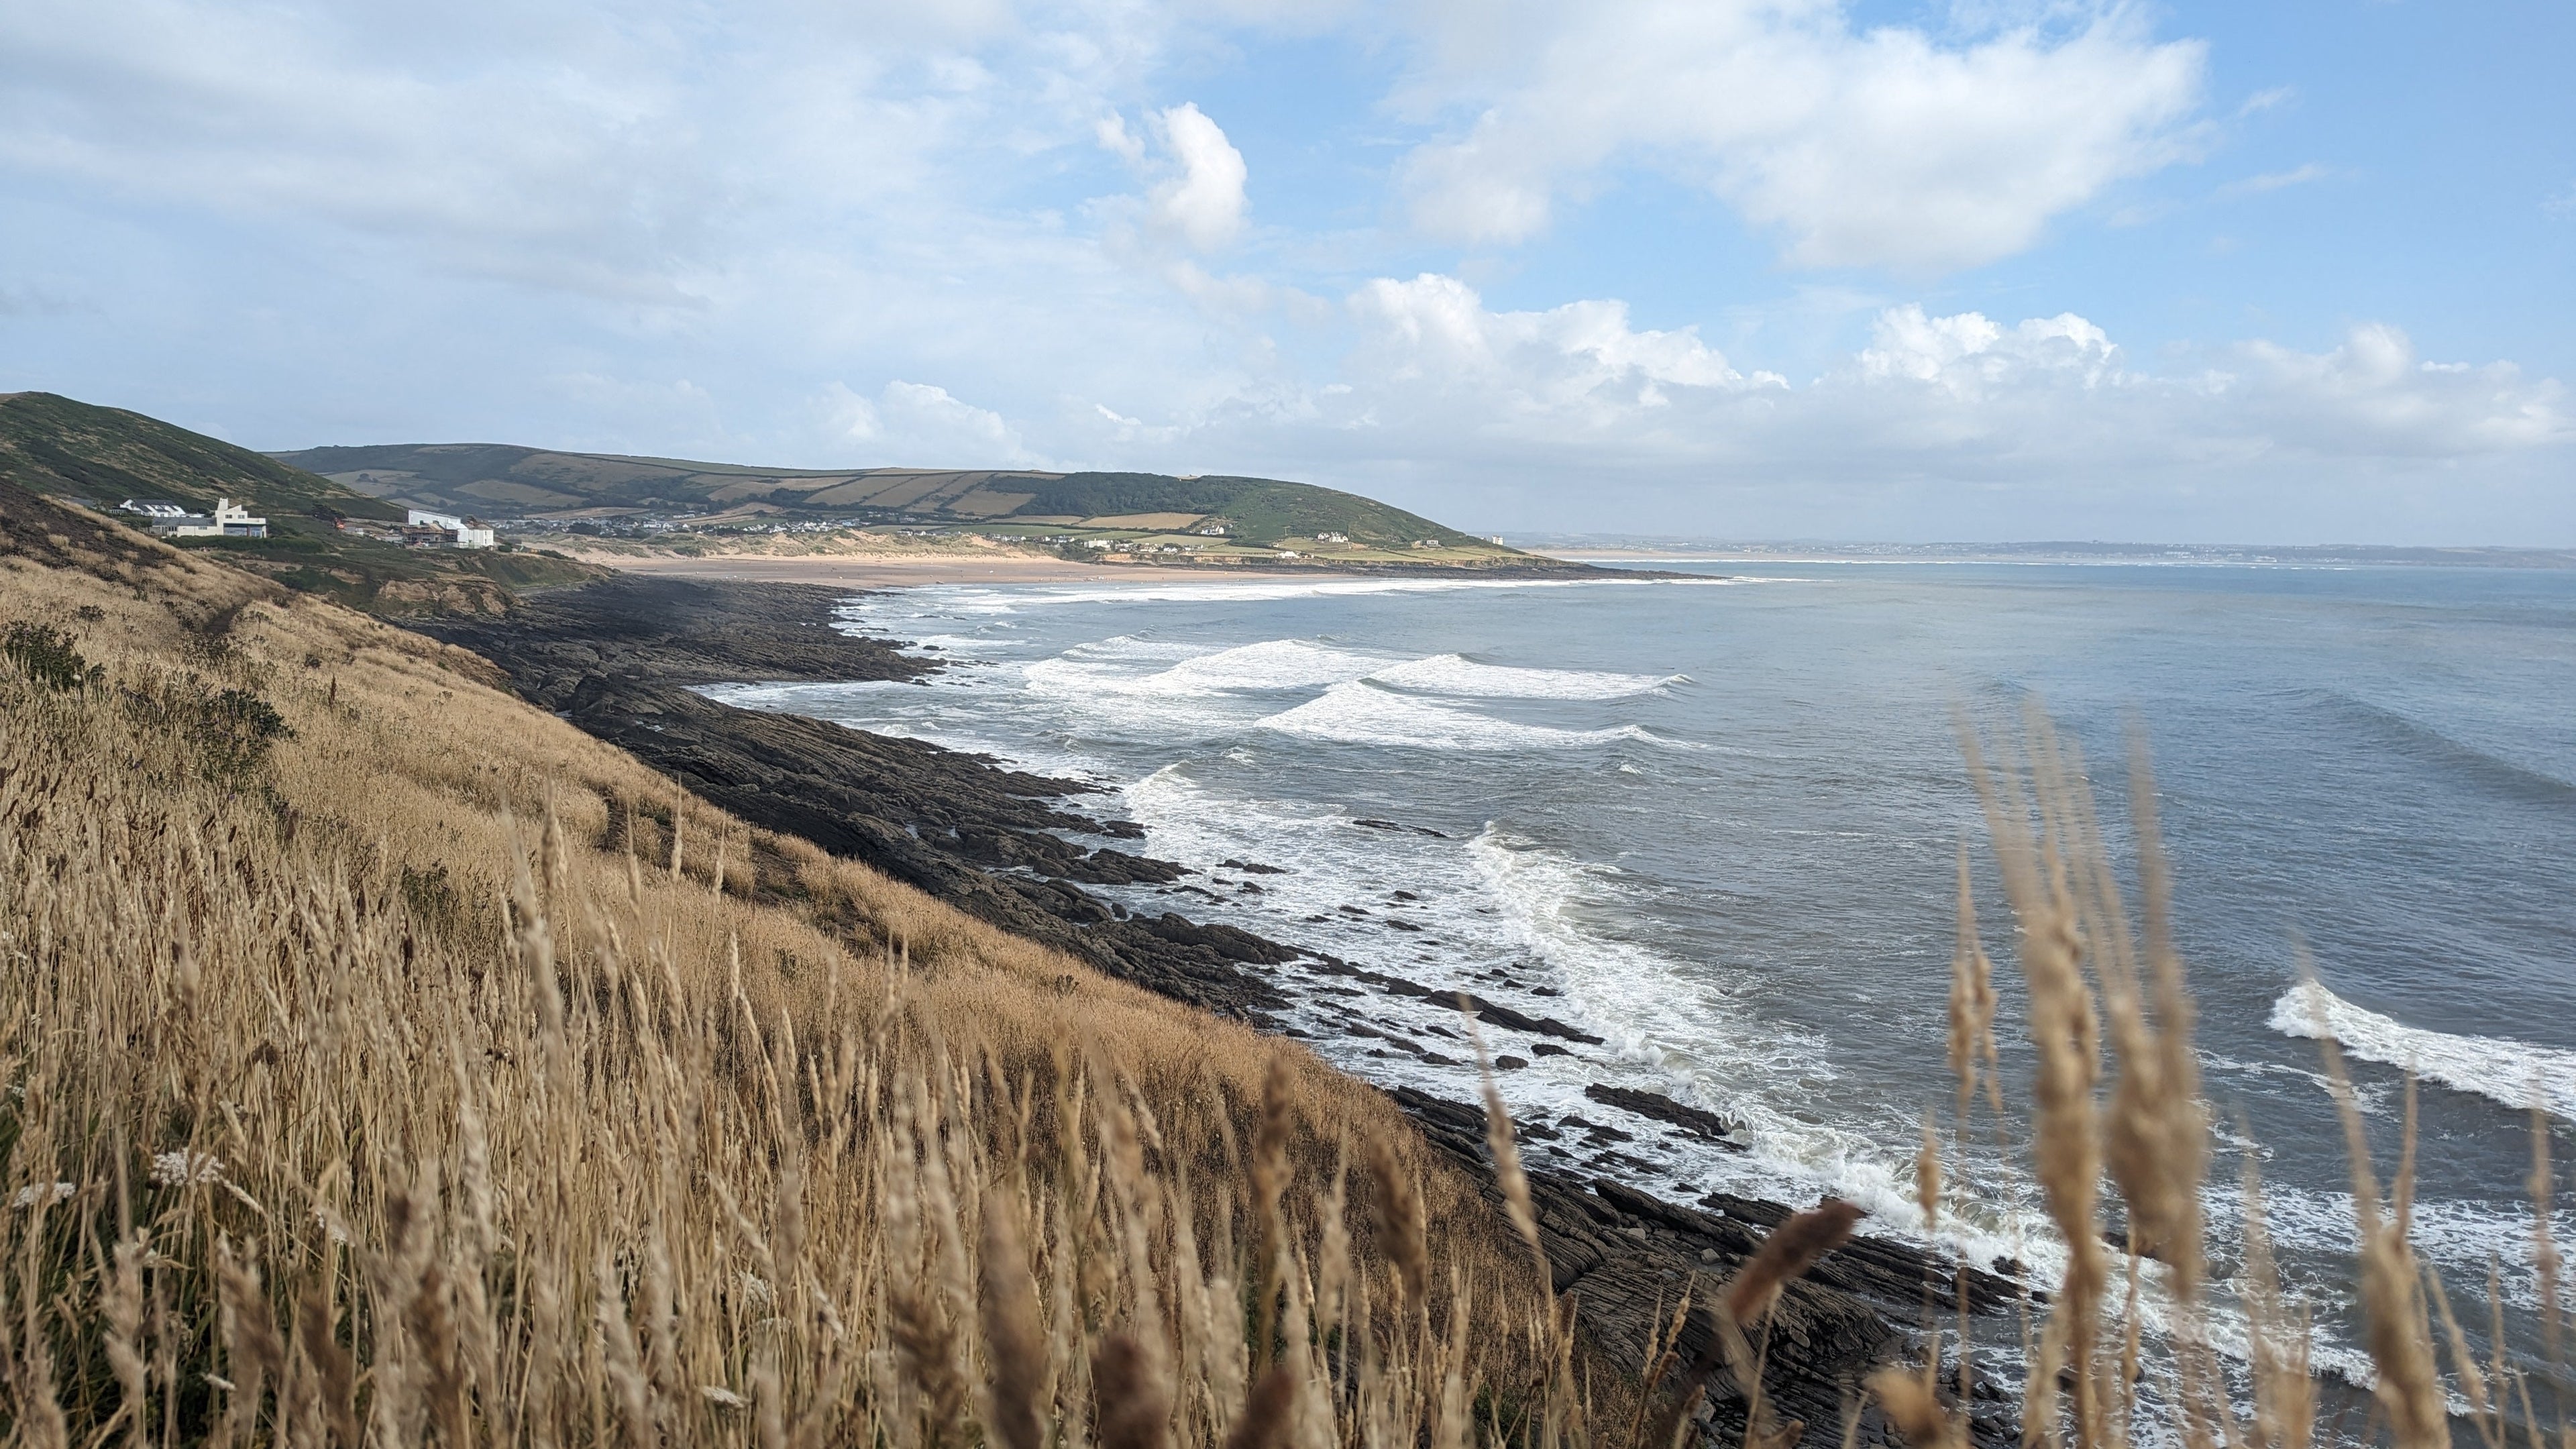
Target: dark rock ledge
(619, 658)
(1626, 1257)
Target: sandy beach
(896, 572)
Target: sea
(1714, 819)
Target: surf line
(2517, 1074)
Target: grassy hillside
(406, 1057)
(60, 448)
(56, 446)
(1263, 513)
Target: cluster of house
(419, 529)
(448, 529)
(174, 520)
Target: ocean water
(1714, 821)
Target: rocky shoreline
(621, 658)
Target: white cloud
(1114, 137)
(1579, 366)
(1861, 147)
(2044, 391)
(1205, 201)
(1966, 355)
(1944, 425)
(628, 152)
(921, 425)
(2264, 100)
(2274, 181)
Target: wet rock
(1697, 1121)
(1400, 829)
(1548, 1049)
(1249, 867)
(1624, 1255)
(1510, 1063)
(1500, 1015)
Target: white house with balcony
(169, 520)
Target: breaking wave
(1456, 674)
(1360, 713)
(2512, 1072)
(1274, 664)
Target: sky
(2295, 272)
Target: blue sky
(2291, 272)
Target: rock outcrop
(1627, 1258)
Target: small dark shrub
(206, 650)
(432, 897)
(45, 654)
(89, 613)
(229, 730)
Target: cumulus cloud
(1860, 147)
(1203, 200)
(1581, 364)
(1944, 409)
(923, 425)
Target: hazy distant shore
(1631, 552)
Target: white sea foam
(1273, 664)
(1455, 674)
(1360, 713)
(2456, 1235)
(2518, 1074)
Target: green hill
(97, 456)
(563, 488)
(68, 449)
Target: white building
(229, 520)
(461, 532)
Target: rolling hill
(560, 487)
(99, 457)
